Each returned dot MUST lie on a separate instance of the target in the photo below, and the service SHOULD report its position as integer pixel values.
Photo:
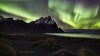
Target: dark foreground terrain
(47, 45)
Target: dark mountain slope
(42, 25)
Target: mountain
(42, 25)
(46, 20)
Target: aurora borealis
(69, 14)
(22, 8)
(79, 15)
(16, 11)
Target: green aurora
(78, 15)
(15, 9)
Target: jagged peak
(46, 20)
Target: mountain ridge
(42, 25)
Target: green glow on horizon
(17, 10)
(78, 16)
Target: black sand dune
(49, 45)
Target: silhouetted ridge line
(42, 25)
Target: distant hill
(42, 25)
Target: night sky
(69, 14)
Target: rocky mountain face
(42, 25)
(46, 20)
